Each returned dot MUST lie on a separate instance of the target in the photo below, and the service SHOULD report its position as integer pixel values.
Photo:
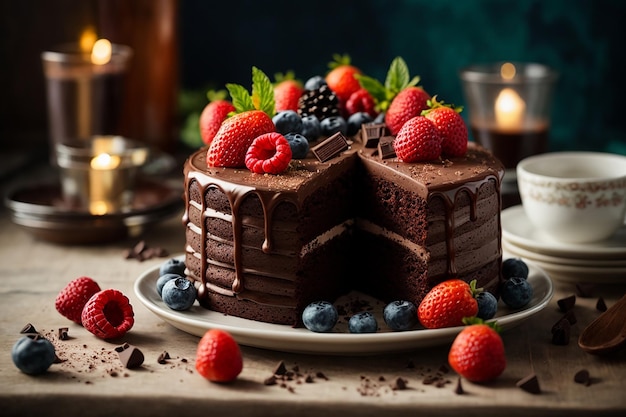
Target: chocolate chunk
(63, 333)
(567, 303)
(163, 357)
(280, 369)
(29, 329)
(399, 384)
(529, 384)
(601, 305)
(571, 317)
(130, 356)
(561, 332)
(385, 147)
(371, 133)
(330, 147)
(585, 290)
(582, 377)
(459, 388)
(309, 379)
(270, 381)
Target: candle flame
(101, 52)
(87, 39)
(507, 71)
(105, 161)
(509, 110)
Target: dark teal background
(583, 40)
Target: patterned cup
(574, 197)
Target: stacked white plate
(598, 262)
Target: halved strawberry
(108, 314)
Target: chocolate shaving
(130, 356)
(529, 384)
(385, 148)
(330, 147)
(29, 329)
(582, 377)
(601, 305)
(567, 303)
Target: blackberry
(321, 103)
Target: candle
(509, 110)
(103, 189)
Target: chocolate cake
(263, 247)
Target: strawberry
(407, 104)
(418, 140)
(232, 140)
(451, 126)
(477, 353)
(218, 357)
(361, 101)
(341, 78)
(287, 92)
(253, 118)
(71, 299)
(447, 303)
(108, 314)
(212, 117)
(269, 154)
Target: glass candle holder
(509, 106)
(100, 176)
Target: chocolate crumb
(309, 379)
(529, 384)
(130, 356)
(399, 384)
(321, 375)
(280, 369)
(582, 377)
(29, 329)
(381, 378)
(444, 369)
(585, 290)
(567, 303)
(459, 387)
(601, 305)
(270, 381)
(142, 252)
(561, 332)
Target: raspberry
(361, 101)
(71, 299)
(269, 153)
(108, 314)
(218, 358)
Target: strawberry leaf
(262, 92)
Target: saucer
(39, 209)
(518, 230)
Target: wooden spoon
(607, 333)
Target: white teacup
(574, 197)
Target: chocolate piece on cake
(371, 134)
(330, 147)
(385, 147)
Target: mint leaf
(241, 98)
(373, 86)
(262, 92)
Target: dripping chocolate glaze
(430, 180)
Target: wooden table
(93, 382)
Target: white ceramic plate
(285, 338)
(517, 229)
(571, 273)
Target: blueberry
(514, 267)
(33, 354)
(314, 83)
(400, 315)
(363, 322)
(320, 316)
(287, 121)
(334, 124)
(179, 294)
(298, 144)
(516, 292)
(356, 120)
(311, 128)
(172, 266)
(487, 305)
(164, 279)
